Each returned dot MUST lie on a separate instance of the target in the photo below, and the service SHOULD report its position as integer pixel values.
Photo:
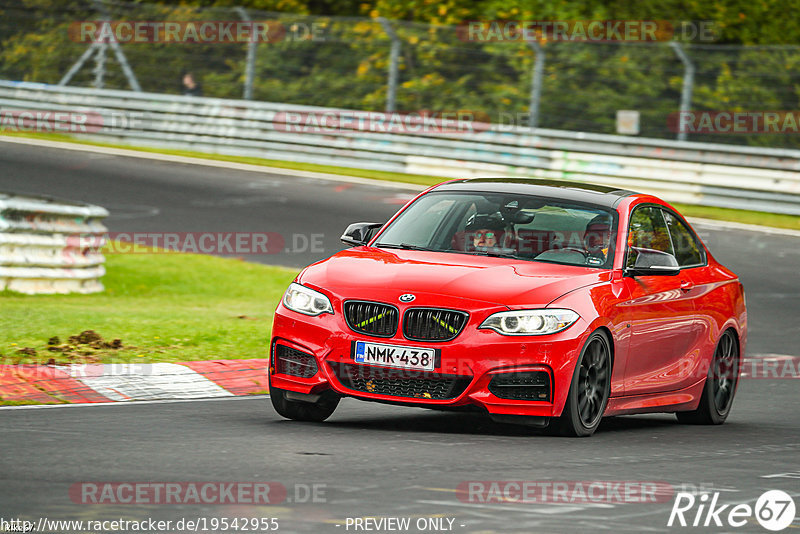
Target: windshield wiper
(494, 254)
(408, 246)
(404, 246)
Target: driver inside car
(597, 239)
(484, 232)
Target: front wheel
(589, 390)
(304, 410)
(717, 397)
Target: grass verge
(162, 307)
(723, 214)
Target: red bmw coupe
(542, 303)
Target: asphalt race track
(371, 460)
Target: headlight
(304, 300)
(530, 322)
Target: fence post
(126, 68)
(688, 83)
(100, 65)
(394, 59)
(100, 49)
(120, 55)
(536, 83)
(250, 69)
(78, 64)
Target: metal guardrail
(50, 246)
(694, 173)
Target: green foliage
(347, 66)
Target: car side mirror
(651, 262)
(359, 233)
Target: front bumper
(466, 366)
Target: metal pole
(394, 60)
(100, 65)
(78, 64)
(120, 55)
(126, 68)
(536, 84)
(688, 83)
(250, 69)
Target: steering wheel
(572, 249)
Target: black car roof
(600, 195)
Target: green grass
(708, 212)
(164, 308)
(776, 220)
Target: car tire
(316, 411)
(589, 390)
(720, 387)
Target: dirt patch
(82, 347)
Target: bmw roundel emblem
(408, 297)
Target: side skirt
(673, 401)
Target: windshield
(506, 225)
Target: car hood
(373, 273)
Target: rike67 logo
(774, 510)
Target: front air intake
(289, 361)
(433, 324)
(400, 382)
(371, 318)
(527, 385)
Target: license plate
(395, 356)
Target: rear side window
(687, 249)
(647, 230)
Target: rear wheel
(589, 391)
(316, 409)
(717, 397)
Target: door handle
(686, 286)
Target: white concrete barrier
(50, 246)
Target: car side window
(647, 230)
(687, 249)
